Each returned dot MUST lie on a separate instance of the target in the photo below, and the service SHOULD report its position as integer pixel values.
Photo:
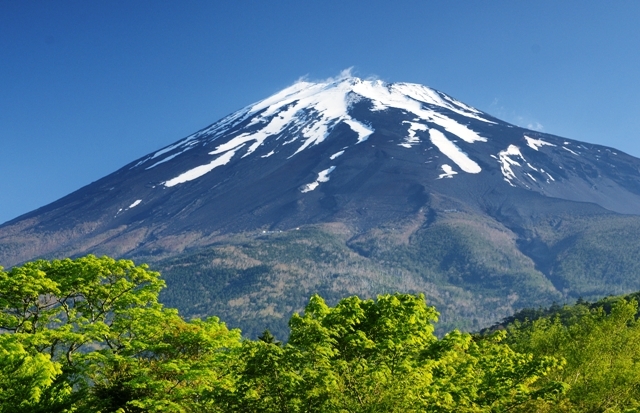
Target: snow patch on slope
(361, 129)
(386, 96)
(512, 157)
(507, 162)
(536, 143)
(547, 173)
(412, 139)
(185, 144)
(427, 95)
(454, 153)
(198, 171)
(168, 158)
(448, 172)
(323, 176)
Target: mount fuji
(352, 186)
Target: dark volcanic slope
(367, 156)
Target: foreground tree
(95, 326)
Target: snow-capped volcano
(448, 138)
(346, 149)
(393, 187)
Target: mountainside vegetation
(89, 335)
(475, 270)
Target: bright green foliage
(485, 375)
(61, 306)
(382, 356)
(602, 353)
(89, 335)
(372, 346)
(24, 378)
(171, 366)
(95, 324)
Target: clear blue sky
(88, 86)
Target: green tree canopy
(95, 326)
(381, 356)
(601, 349)
(89, 335)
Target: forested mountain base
(89, 335)
(474, 269)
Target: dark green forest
(89, 335)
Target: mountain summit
(379, 165)
(447, 136)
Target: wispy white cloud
(497, 109)
(537, 126)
